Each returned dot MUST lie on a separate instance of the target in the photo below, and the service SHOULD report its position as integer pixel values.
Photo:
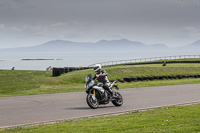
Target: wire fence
(146, 60)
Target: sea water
(72, 59)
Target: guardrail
(145, 60)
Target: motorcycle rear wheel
(119, 100)
(92, 101)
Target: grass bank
(17, 82)
(182, 119)
(161, 61)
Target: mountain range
(103, 45)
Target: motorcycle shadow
(88, 108)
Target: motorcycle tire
(119, 100)
(92, 101)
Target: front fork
(93, 96)
(94, 92)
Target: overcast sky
(33, 22)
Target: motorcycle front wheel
(92, 101)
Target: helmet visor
(96, 68)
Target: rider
(101, 76)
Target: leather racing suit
(101, 76)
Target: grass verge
(183, 119)
(18, 83)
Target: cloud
(149, 21)
(14, 4)
(2, 27)
(188, 32)
(59, 30)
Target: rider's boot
(112, 94)
(116, 87)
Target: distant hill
(197, 43)
(102, 45)
(195, 46)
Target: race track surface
(25, 110)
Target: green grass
(18, 83)
(180, 119)
(120, 72)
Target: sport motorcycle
(97, 95)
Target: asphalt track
(35, 109)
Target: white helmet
(97, 67)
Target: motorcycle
(97, 95)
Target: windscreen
(88, 78)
